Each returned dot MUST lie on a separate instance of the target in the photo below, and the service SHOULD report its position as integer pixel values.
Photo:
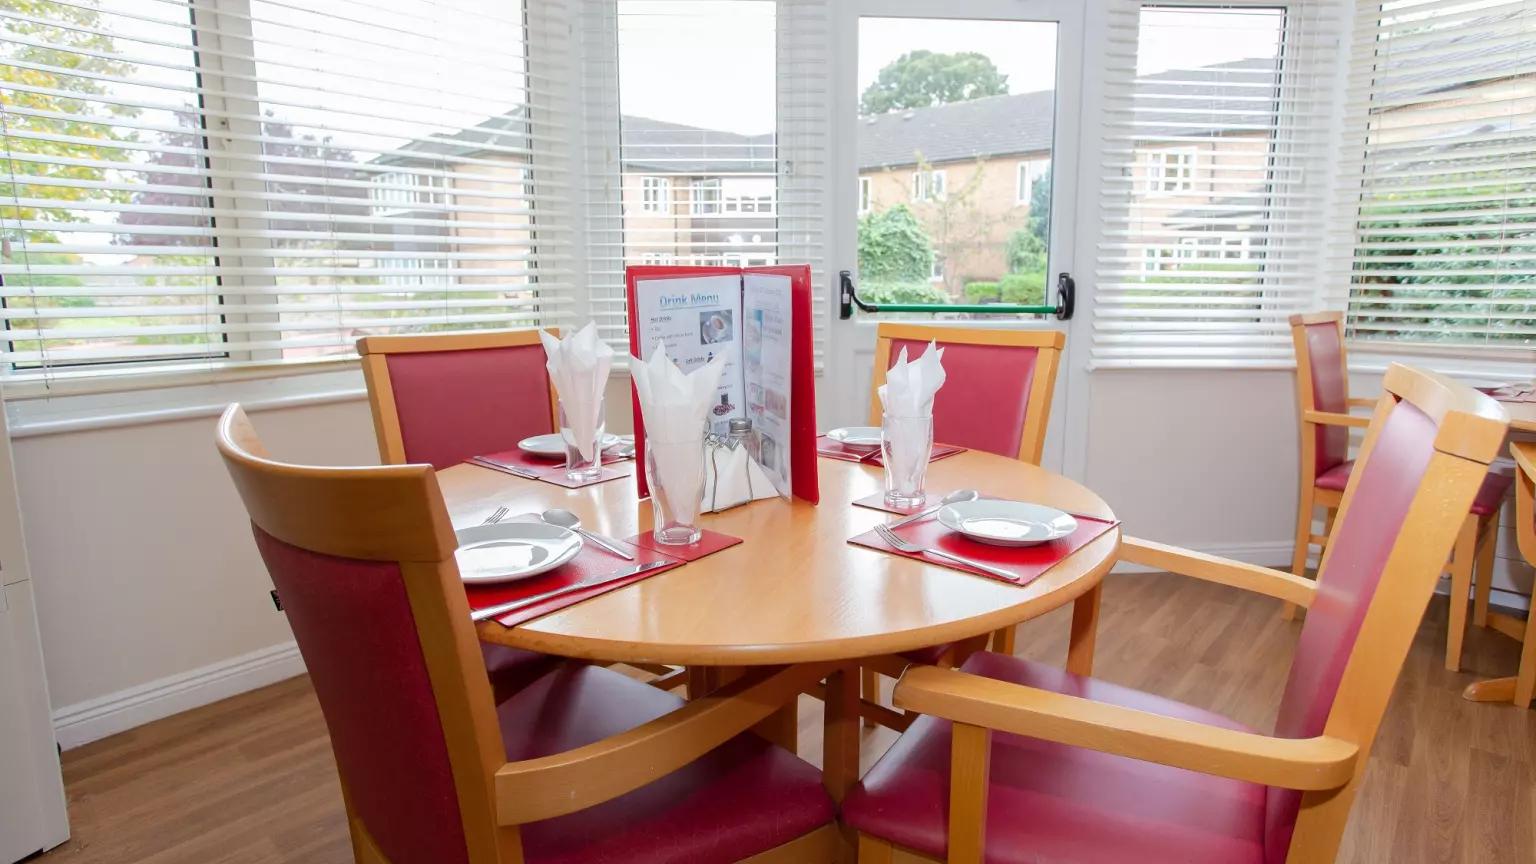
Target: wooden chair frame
(1522, 687)
(1037, 415)
(396, 513)
(1328, 769)
(375, 351)
(1476, 542)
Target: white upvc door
(966, 172)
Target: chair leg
(1002, 641)
(1303, 543)
(869, 688)
(1462, 560)
(1482, 578)
(1525, 684)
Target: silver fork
(500, 514)
(911, 548)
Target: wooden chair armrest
(1329, 419)
(551, 786)
(1222, 571)
(1360, 402)
(1306, 763)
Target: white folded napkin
(732, 477)
(908, 393)
(579, 365)
(909, 387)
(674, 407)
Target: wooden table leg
(840, 745)
(1085, 630)
(782, 727)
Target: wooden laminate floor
(251, 780)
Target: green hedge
(1026, 289)
(981, 292)
(902, 292)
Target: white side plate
(552, 446)
(507, 551)
(857, 437)
(1007, 523)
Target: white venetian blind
(237, 182)
(705, 125)
(1214, 182)
(1438, 179)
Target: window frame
(1157, 171)
(699, 206)
(866, 194)
(929, 186)
(661, 202)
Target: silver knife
(589, 582)
(515, 469)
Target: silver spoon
(570, 521)
(954, 497)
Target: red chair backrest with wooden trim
(997, 388)
(356, 579)
(1323, 383)
(440, 398)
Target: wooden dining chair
(583, 765)
(1323, 403)
(996, 398)
(440, 398)
(1016, 761)
(1522, 687)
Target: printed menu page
(766, 364)
(699, 318)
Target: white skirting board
(89, 721)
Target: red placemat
(1026, 561)
(709, 543)
(592, 560)
(833, 450)
(550, 470)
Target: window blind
(222, 183)
(1438, 179)
(1214, 195)
(685, 167)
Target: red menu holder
(801, 398)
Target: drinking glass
(675, 472)
(578, 468)
(905, 444)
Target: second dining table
(796, 591)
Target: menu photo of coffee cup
(715, 326)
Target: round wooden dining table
(795, 590)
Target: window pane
(105, 204)
(954, 212)
(706, 133)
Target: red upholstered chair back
(997, 388)
(1382, 563)
(363, 561)
(1322, 382)
(442, 398)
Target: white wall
(150, 593)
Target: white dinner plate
(1007, 523)
(507, 551)
(552, 446)
(857, 437)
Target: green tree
(42, 92)
(1040, 208)
(920, 79)
(893, 247)
(1026, 253)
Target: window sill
(1477, 367)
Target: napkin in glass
(908, 391)
(675, 407)
(579, 365)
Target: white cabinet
(32, 813)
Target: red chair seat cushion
(1053, 804)
(1489, 498)
(742, 799)
(512, 669)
